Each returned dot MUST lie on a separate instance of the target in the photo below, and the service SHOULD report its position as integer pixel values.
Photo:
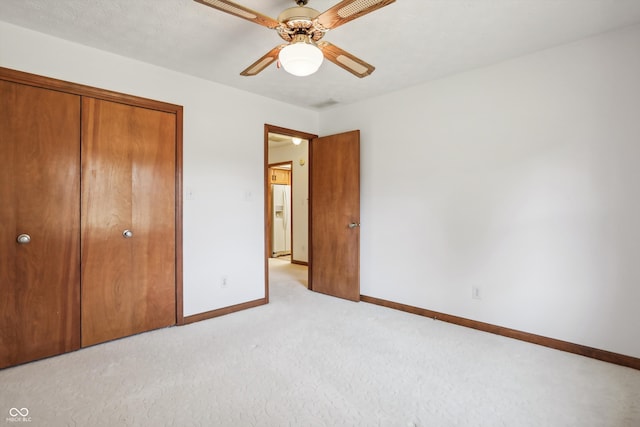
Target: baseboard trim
(222, 311)
(594, 353)
(293, 261)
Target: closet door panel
(153, 215)
(40, 197)
(128, 183)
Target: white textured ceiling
(409, 41)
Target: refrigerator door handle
(285, 206)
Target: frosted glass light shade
(301, 59)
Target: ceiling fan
(303, 28)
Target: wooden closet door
(39, 196)
(128, 183)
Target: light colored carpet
(311, 360)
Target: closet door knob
(127, 234)
(354, 225)
(23, 239)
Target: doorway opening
(286, 190)
(330, 236)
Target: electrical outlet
(224, 281)
(475, 292)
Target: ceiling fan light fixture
(301, 58)
(302, 28)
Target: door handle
(354, 225)
(23, 239)
(127, 234)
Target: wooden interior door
(39, 196)
(128, 183)
(334, 193)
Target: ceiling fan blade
(263, 62)
(348, 10)
(344, 59)
(241, 12)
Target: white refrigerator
(281, 220)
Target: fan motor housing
(299, 20)
(298, 14)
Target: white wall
(300, 190)
(522, 179)
(223, 157)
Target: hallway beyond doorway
(282, 270)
